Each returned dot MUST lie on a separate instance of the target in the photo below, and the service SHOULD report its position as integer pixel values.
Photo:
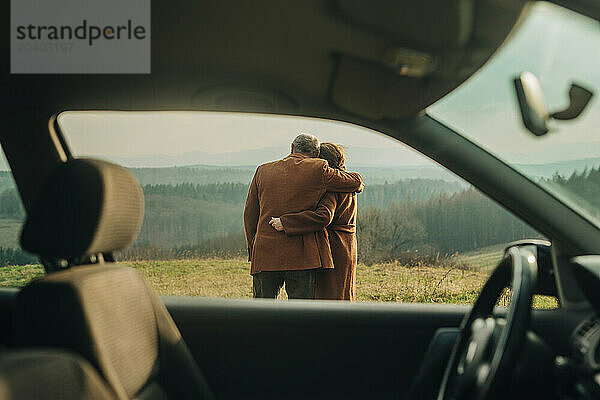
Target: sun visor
(375, 92)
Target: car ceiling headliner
(310, 57)
(319, 58)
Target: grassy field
(389, 282)
(483, 259)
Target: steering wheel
(487, 346)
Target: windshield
(559, 47)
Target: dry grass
(198, 277)
(422, 284)
(483, 259)
(389, 282)
(18, 276)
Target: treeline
(199, 175)
(384, 195)
(11, 206)
(204, 174)
(442, 225)
(585, 183)
(380, 196)
(419, 215)
(393, 219)
(458, 222)
(185, 214)
(15, 257)
(432, 217)
(6, 180)
(439, 226)
(229, 245)
(227, 192)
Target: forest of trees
(424, 215)
(393, 218)
(443, 225)
(10, 205)
(10, 256)
(196, 175)
(6, 180)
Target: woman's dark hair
(333, 154)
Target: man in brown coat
(293, 184)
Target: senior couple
(300, 223)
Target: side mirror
(533, 107)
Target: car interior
(94, 328)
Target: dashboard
(578, 374)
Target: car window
(560, 47)
(22, 265)
(423, 234)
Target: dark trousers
(298, 284)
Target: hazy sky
(558, 46)
(555, 44)
(127, 134)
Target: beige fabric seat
(49, 375)
(105, 312)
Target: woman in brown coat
(336, 212)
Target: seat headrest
(86, 207)
(47, 374)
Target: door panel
(264, 349)
(328, 350)
(7, 298)
(260, 349)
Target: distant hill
(379, 175)
(197, 175)
(564, 168)
(372, 157)
(384, 195)
(203, 174)
(238, 171)
(206, 174)
(376, 165)
(200, 158)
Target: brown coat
(290, 185)
(336, 211)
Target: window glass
(560, 47)
(424, 235)
(22, 265)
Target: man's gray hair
(306, 144)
